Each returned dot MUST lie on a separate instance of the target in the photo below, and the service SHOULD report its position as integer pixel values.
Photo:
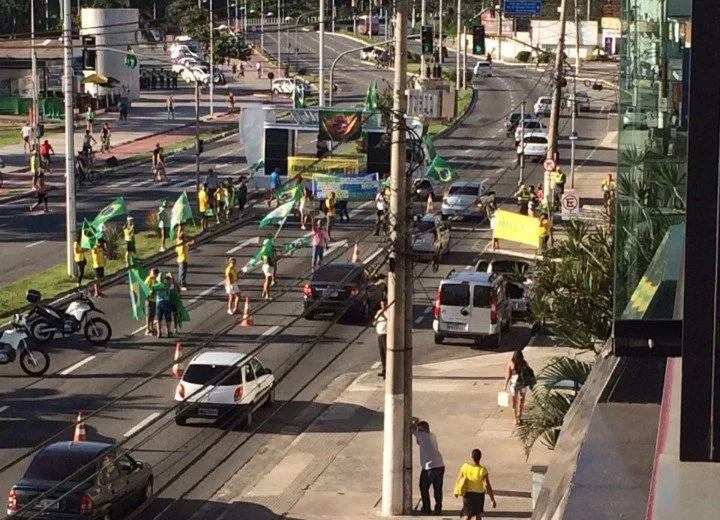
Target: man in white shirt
(26, 132)
(380, 323)
(380, 209)
(432, 467)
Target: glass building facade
(652, 156)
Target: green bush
(523, 56)
(114, 240)
(546, 57)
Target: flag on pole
(278, 215)
(181, 212)
(87, 237)
(253, 169)
(252, 263)
(299, 243)
(371, 98)
(112, 210)
(441, 170)
(139, 292)
(429, 147)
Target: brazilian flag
(441, 170)
(429, 147)
(139, 291)
(182, 314)
(278, 215)
(288, 194)
(299, 243)
(181, 212)
(115, 209)
(87, 237)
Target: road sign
(570, 205)
(549, 165)
(573, 136)
(522, 8)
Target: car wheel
(149, 491)
(180, 420)
(439, 338)
(270, 400)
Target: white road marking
(139, 426)
(3, 408)
(270, 331)
(335, 245)
(428, 309)
(223, 165)
(184, 183)
(419, 319)
(253, 240)
(608, 140)
(468, 267)
(469, 150)
(138, 330)
(354, 212)
(206, 292)
(376, 365)
(35, 244)
(373, 256)
(77, 365)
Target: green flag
(253, 169)
(139, 292)
(253, 262)
(298, 97)
(87, 238)
(371, 97)
(299, 243)
(441, 170)
(278, 215)
(429, 147)
(182, 314)
(181, 212)
(112, 210)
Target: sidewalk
(334, 469)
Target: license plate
(334, 294)
(208, 412)
(48, 504)
(454, 326)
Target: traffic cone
(247, 321)
(429, 209)
(356, 255)
(79, 435)
(177, 368)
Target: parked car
(430, 238)
(370, 53)
(637, 117)
(483, 69)
(512, 121)
(529, 126)
(516, 272)
(542, 106)
(534, 145)
(87, 480)
(424, 186)
(219, 384)
(463, 199)
(346, 287)
(472, 306)
(582, 99)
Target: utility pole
(33, 66)
(578, 35)
(332, 17)
(440, 33)
(557, 90)
(464, 62)
(521, 159)
(321, 56)
(244, 19)
(458, 50)
(573, 103)
(197, 135)
(212, 65)
(237, 21)
(588, 10)
(422, 24)
(70, 223)
(262, 24)
(279, 48)
(227, 7)
(396, 436)
(500, 31)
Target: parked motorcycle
(45, 320)
(14, 341)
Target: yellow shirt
(544, 230)
(330, 205)
(203, 201)
(98, 256)
(231, 275)
(220, 194)
(129, 232)
(79, 252)
(474, 477)
(182, 253)
(150, 281)
(34, 164)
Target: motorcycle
(14, 342)
(46, 321)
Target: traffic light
(478, 39)
(130, 58)
(427, 39)
(89, 56)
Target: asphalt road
(127, 387)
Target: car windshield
(532, 124)
(545, 100)
(219, 375)
(455, 294)
(536, 139)
(514, 118)
(337, 273)
(61, 467)
(463, 190)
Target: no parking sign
(570, 205)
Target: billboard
(309, 165)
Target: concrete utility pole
(321, 56)
(279, 48)
(588, 9)
(578, 35)
(33, 67)
(332, 17)
(464, 62)
(521, 159)
(440, 33)
(70, 223)
(422, 24)
(197, 135)
(212, 65)
(573, 102)
(458, 50)
(262, 24)
(396, 486)
(557, 91)
(500, 31)
(244, 19)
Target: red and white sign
(549, 165)
(570, 205)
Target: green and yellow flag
(279, 214)
(292, 193)
(253, 169)
(115, 209)
(441, 170)
(299, 243)
(181, 212)
(87, 237)
(429, 147)
(182, 314)
(139, 292)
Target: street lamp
(297, 26)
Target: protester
(231, 286)
(319, 242)
(515, 385)
(229, 192)
(523, 198)
(163, 220)
(163, 308)
(258, 68)
(540, 194)
(204, 206)
(46, 150)
(274, 185)
(175, 300)
(170, 105)
(268, 256)
(241, 72)
(129, 235)
(472, 484)
(89, 119)
(432, 467)
(380, 209)
(105, 138)
(181, 249)
(26, 134)
(80, 258)
(544, 232)
(88, 141)
(40, 190)
(608, 186)
(220, 202)
(342, 210)
(213, 183)
(380, 323)
(158, 162)
(231, 102)
(559, 183)
(98, 253)
(241, 193)
(305, 208)
(151, 304)
(35, 168)
(331, 206)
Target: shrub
(114, 240)
(152, 223)
(413, 57)
(546, 57)
(523, 56)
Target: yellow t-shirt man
(181, 250)
(79, 253)
(330, 205)
(98, 256)
(544, 229)
(474, 477)
(203, 201)
(129, 232)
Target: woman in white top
(380, 323)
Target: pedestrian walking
(274, 185)
(105, 134)
(26, 133)
(35, 168)
(269, 259)
(241, 193)
(129, 235)
(158, 162)
(380, 322)
(241, 72)
(79, 257)
(518, 378)
(608, 186)
(331, 213)
(319, 242)
(204, 206)
(98, 253)
(123, 110)
(258, 68)
(305, 206)
(231, 101)
(231, 286)
(472, 484)
(89, 119)
(170, 104)
(41, 191)
(182, 251)
(163, 307)
(163, 222)
(540, 194)
(380, 209)
(234, 69)
(432, 466)
(544, 232)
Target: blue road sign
(523, 7)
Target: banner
(308, 166)
(139, 292)
(357, 187)
(517, 228)
(340, 125)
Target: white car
(536, 145)
(483, 69)
(218, 384)
(288, 85)
(583, 101)
(542, 106)
(637, 117)
(463, 200)
(370, 53)
(528, 126)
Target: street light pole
(422, 24)
(197, 135)
(458, 50)
(244, 19)
(68, 74)
(332, 17)
(33, 66)
(212, 65)
(321, 56)
(464, 63)
(440, 33)
(262, 24)
(557, 90)
(279, 48)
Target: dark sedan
(346, 288)
(80, 480)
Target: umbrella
(95, 79)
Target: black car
(80, 480)
(346, 288)
(512, 121)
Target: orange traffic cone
(79, 435)
(429, 208)
(247, 321)
(356, 255)
(177, 368)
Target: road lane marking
(428, 309)
(77, 365)
(354, 212)
(138, 330)
(376, 365)
(419, 319)
(206, 292)
(223, 165)
(184, 183)
(336, 245)
(270, 331)
(373, 256)
(35, 244)
(3, 408)
(253, 240)
(139, 426)
(608, 140)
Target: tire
(36, 331)
(180, 420)
(34, 363)
(439, 338)
(149, 491)
(94, 332)
(270, 400)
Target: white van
(472, 306)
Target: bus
(362, 25)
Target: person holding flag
(80, 258)
(129, 235)
(151, 303)
(181, 213)
(163, 309)
(330, 212)
(163, 222)
(98, 253)
(231, 286)
(180, 313)
(182, 251)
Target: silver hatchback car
(463, 200)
